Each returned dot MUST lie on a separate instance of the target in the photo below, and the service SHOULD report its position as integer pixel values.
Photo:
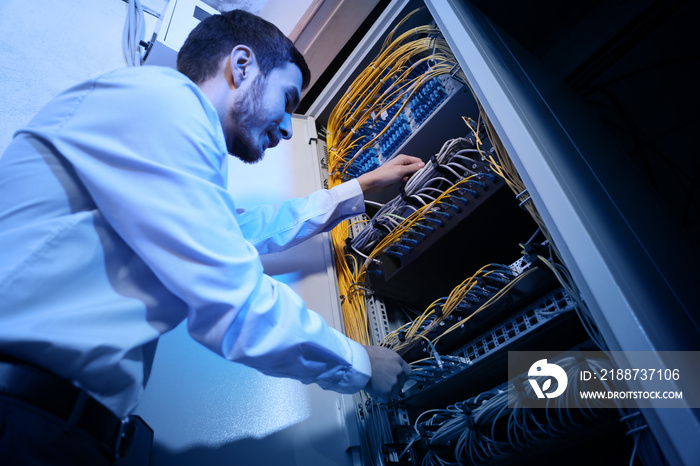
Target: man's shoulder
(139, 96)
(156, 77)
(161, 88)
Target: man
(116, 225)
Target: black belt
(61, 398)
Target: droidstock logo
(542, 368)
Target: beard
(244, 118)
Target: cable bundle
(457, 162)
(351, 278)
(376, 432)
(484, 430)
(469, 298)
(503, 166)
(420, 221)
(369, 124)
(133, 34)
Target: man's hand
(389, 373)
(398, 168)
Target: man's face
(262, 116)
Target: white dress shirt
(116, 225)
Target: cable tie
(526, 199)
(517, 196)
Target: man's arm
(273, 228)
(397, 169)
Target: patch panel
(396, 124)
(527, 320)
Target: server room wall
(41, 55)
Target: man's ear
(239, 66)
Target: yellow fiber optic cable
(389, 81)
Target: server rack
(624, 249)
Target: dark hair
(213, 39)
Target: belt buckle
(125, 431)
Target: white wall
(50, 45)
(285, 14)
(253, 6)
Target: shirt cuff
(349, 198)
(357, 378)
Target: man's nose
(286, 126)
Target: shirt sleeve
(151, 157)
(278, 227)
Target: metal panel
(627, 256)
(351, 66)
(205, 410)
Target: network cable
(503, 166)
(500, 278)
(484, 430)
(133, 34)
(371, 106)
(456, 162)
